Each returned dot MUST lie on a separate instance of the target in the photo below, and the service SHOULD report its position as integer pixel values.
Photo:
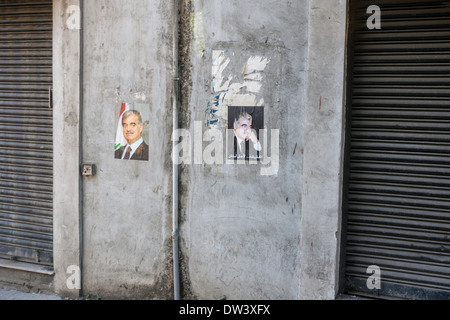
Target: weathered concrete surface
(241, 229)
(323, 150)
(245, 234)
(67, 113)
(9, 295)
(127, 52)
(248, 235)
(13, 278)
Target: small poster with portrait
(244, 141)
(131, 142)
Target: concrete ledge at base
(6, 294)
(26, 267)
(27, 278)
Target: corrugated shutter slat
(26, 121)
(398, 200)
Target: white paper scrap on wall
(226, 92)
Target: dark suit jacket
(249, 151)
(244, 154)
(141, 153)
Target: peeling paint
(255, 65)
(226, 91)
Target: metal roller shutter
(26, 161)
(397, 198)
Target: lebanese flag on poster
(120, 139)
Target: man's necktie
(127, 155)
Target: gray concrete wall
(241, 224)
(246, 234)
(323, 150)
(127, 57)
(25, 280)
(66, 135)
(265, 230)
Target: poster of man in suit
(130, 144)
(245, 123)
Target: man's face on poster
(243, 129)
(132, 129)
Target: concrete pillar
(67, 111)
(322, 160)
